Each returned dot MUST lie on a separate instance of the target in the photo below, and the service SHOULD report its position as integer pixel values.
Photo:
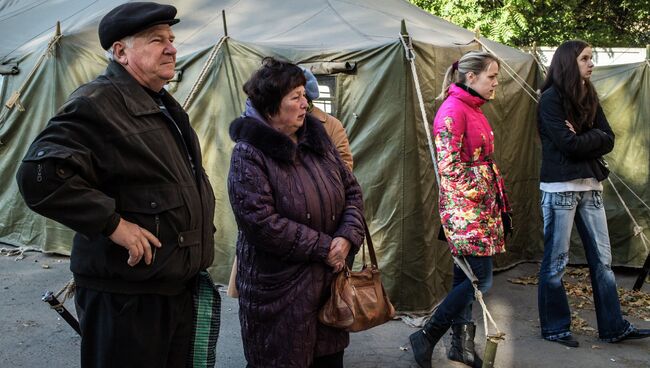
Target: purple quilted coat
(290, 200)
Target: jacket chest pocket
(161, 210)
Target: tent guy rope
(203, 73)
(512, 73)
(14, 100)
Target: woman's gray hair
(473, 61)
(127, 41)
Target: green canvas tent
(355, 48)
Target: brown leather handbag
(358, 301)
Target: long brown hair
(579, 97)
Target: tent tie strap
(409, 53)
(203, 73)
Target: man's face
(152, 58)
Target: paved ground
(32, 336)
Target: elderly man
(120, 164)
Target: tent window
(326, 100)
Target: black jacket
(565, 155)
(108, 153)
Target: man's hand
(338, 252)
(136, 240)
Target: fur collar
(277, 145)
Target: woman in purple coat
(299, 212)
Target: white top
(576, 185)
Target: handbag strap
(371, 249)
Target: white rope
(638, 230)
(69, 289)
(14, 100)
(411, 58)
(203, 73)
(18, 252)
(512, 73)
(631, 191)
(461, 262)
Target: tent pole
(225, 27)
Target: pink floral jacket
(472, 193)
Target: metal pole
(225, 27)
(642, 275)
(54, 303)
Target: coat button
(333, 218)
(181, 239)
(153, 204)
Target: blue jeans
(560, 210)
(457, 306)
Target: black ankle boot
(423, 341)
(462, 345)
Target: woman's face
(485, 82)
(291, 114)
(585, 63)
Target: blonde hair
(473, 61)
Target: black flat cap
(131, 18)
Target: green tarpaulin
(376, 102)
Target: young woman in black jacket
(575, 135)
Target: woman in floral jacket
(472, 201)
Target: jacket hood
(251, 112)
(278, 145)
(465, 96)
